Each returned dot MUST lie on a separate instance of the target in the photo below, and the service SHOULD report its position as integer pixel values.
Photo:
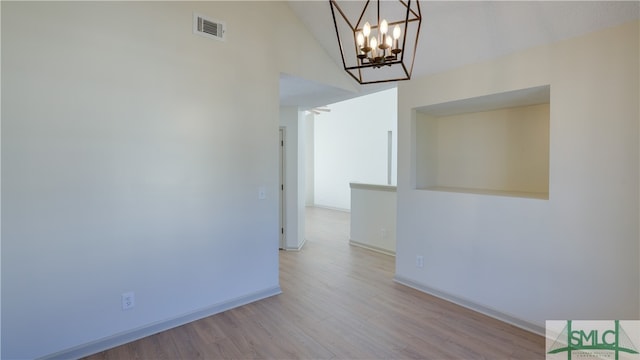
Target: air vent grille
(208, 27)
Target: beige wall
(505, 150)
(573, 256)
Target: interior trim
(372, 248)
(525, 325)
(154, 328)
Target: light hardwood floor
(338, 302)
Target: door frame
(283, 198)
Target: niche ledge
(520, 194)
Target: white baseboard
(154, 328)
(372, 248)
(525, 325)
(304, 241)
(331, 208)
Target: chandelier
(380, 38)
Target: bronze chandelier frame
(396, 56)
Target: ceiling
(458, 33)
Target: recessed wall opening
(496, 144)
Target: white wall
(293, 121)
(351, 146)
(373, 217)
(132, 154)
(309, 160)
(574, 256)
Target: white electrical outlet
(128, 300)
(419, 261)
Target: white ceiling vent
(208, 27)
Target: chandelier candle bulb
(366, 30)
(374, 45)
(362, 51)
(396, 35)
(384, 27)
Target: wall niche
(496, 144)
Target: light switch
(262, 193)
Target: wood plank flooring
(338, 302)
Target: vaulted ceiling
(458, 33)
